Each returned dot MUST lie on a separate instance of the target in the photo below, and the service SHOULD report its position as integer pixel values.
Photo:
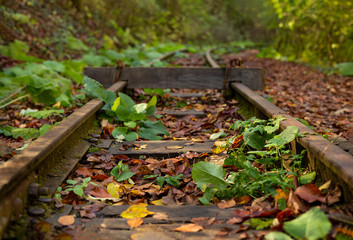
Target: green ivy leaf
(307, 178)
(42, 114)
(121, 172)
(284, 137)
(312, 225)
(131, 136)
(206, 174)
(130, 124)
(125, 100)
(215, 136)
(254, 140)
(140, 108)
(118, 132)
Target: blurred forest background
(319, 32)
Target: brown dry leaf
(134, 222)
(160, 216)
(188, 228)
(234, 220)
(259, 204)
(242, 199)
(296, 204)
(99, 193)
(84, 171)
(226, 204)
(334, 196)
(310, 193)
(66, 220)
(203, 221)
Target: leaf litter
(154, 181)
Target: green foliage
(79, 188)
(41, 114)
(171, 180)
(121, 172)
(248, 180)
(346, 69)
(18, 50)
(259, 223)
(24, 133)
(319, 32)
(312, 225)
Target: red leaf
(84, 171)
(310, 193)
(100, 193)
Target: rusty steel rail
(23, 169)
(329, 160)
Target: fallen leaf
(100, 193)
(296, 204)
(134, 222)
(84, 171)
(188, 228)
(325, 186)
(160, 216)
(138, 210)
(158, 202)
(174, 147)
(226, 204)
(204, 222)
(242, 199)
(334, 196)
(66, 220)
(259, 204)
(141, 147)
(114, 190)
(234, 220)
(310, 193)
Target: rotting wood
(14, 172)
(192, 78)
(161, 147)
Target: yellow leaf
(175, 139)
(218, 150)
(114, 190)
(138, 210)
(58, 104)
(158, 202)
(134, 222)
(141, 147)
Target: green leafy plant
(257, 142)
(121, 172)
(171, 180)
(312, 225)
(79, 187)
(24, 133)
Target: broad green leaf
(277, 236)
(139, 108)
(307, 178)
(131, 136)
(125, 100)
(43, 113)
(276, 122)
(119, 131)
(215, 136)
(78, 190)
(45, 128)
(254, 140)
(54, 66)
(259, 223)
(137, 116)
(158, 126)
(72, 182)
(346, 69)
(25, 133)
(123, 113)
(284, 137)
(207, 196)
(130, 124)
(312, 225)
(121, 172)
(149, 133)
(96, 90)
(207, 174)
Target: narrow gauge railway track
(64, 146)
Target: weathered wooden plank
(182, 113)
(160, 147)
(193, 78)
(105, 75)
(175, 212)
(186, 95)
